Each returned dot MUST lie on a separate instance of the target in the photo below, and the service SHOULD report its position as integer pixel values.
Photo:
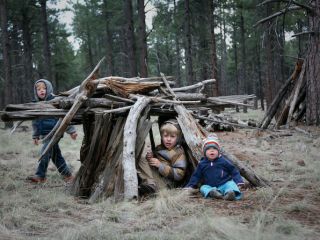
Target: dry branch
(86, 89)
(129, 154)
(278, 98)
(195, 86)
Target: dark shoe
(68, 179)
(36, 179)
(215, 194)
(146, 189)
(230, 196)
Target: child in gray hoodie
(43, 91)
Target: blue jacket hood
(48, 86)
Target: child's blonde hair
(38, 84)
(171, 127)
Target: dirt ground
(288, 209)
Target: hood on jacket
(48, 86)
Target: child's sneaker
(230, 196)
(68, 179)
(36, 179)
(215, 194)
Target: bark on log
(247, 172)
(300, 83)
(107, 176)
(92, 151)
(129, 155)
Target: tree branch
(281, 12)
(308, 8)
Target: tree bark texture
(109, 52)
(243, 72)
(313, 69)
(129, 38)
(27, 83)
(177, 48)
(46, 42)
(6, 95)
(188, 46)
(143, 54)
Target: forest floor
(289, 209)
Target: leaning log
(129, 154)
(274, 106)
(87, 89)
(246, 172)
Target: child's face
(169, 139)
(41, 90)
(212, 153)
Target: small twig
(304, 132)
(297, 58)
(15, 126)
(117, 98)
(222, 122)
(303, 33)
(118, 110)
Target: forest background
(191, 40)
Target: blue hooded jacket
(41, 127)
(215, 173)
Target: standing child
(166, 167)
(43, 91)
(221, 179)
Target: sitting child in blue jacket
(221, 179)
(43, 91)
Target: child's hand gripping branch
(154, 162)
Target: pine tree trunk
(89, 46)
(143, 56)
(188, 53)
(109, 53)
(177, 46)
(46, 42)
(244, 81)
(27, 84)
(313, 69)
(223, 81)
(129, 37)
(6, 95)
(235, 52)
(214, 71)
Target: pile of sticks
(290, 102)
(113, 107)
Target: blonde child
(166, 167)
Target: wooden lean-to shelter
(116, 116)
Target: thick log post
(129, 154)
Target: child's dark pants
(57, 159)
